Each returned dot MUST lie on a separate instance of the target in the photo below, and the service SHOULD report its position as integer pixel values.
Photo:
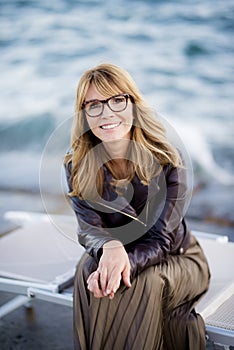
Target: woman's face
(109, 126)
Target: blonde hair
(148, 136)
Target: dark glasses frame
(103, 102)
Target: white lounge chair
(38, 260)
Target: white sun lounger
(39, 259)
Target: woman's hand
(113, 266)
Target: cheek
(129, 116)
(92, 123)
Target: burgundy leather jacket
(148, 220)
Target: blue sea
(181, 55)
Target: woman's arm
(112, 260)
(91, 232)
(168, 235)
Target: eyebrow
(94, 99)
(105, 100)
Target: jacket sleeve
(91, 232)
(168, 234)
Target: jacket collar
(111, 201)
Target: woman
(143, 272)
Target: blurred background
(180, 54)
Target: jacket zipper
(122, 212)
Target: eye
(118, 100)
(93, 105)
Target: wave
(204, 164)
(27, 134)
(188, 75)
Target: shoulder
(175, 175)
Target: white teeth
(109, 126)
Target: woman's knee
(152, 282)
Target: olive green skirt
(156, 313)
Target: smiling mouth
(109, 126)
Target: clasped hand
(113, 266)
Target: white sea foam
(198, 149)
(180, 55)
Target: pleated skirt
(156, 313)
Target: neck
(117, 149)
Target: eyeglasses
(117, 103)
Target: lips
(109, 126)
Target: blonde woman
(143, 272)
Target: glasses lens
(93, 108)
(118, 103)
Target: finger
(103, 279)
(126, 277)
(94, 274)
(93, 286)
(92, 281)
(114, 282)
(91, 276)
(111, 295)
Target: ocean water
(180, 53)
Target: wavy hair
(148, 135)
